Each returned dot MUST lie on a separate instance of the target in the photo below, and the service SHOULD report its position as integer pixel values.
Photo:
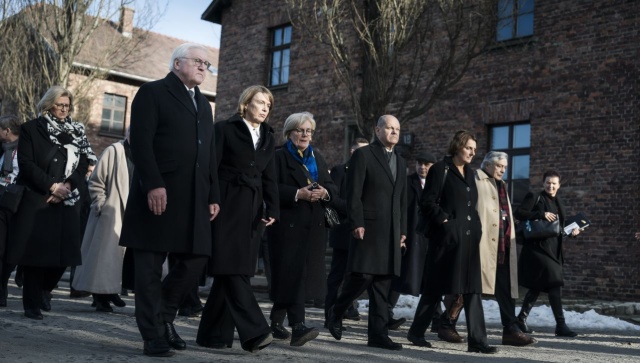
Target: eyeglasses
(309, 132)
(62, 106)
(199, 62)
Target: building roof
(214, 11)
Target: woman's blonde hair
(247, 96)
(49, 99)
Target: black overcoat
(453, 260)
(379, 204)
(172, 146)
(340, 235)
(295, 241)
(540, 262)
(247, 179)
(44, 234)
(412, 267)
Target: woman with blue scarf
(298, 240)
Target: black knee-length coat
(247, 179)
(172, 146)
(44, 234)
(453, 259)
(300, 231)
(540, 262)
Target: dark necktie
(192, 93)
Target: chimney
(125, 27)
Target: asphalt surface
(74, 332)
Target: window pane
(525, 25)
(120, 101)
(520, 167)
(276, 63)
(285, 75)
(287, 35)
(519, 189)
(118, 115)
(522, 135)
(504, 29)
(108, 100)
(275, 76)
(277, 37)
(106, 114)
(500, 138)
(525, 6)
(285, 57)
(505, 9)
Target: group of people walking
(205, 193)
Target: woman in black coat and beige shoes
(300, 236)
(53, 157)
(244, 148)
(453, 262)
(540, 264)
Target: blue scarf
(305, 158)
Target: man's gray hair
(182, 51)
(493, 157)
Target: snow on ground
(541, 316)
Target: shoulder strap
(444, 178)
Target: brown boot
(449, 334)
(515, 337)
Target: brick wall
(576, 82)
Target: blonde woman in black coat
(540, 264)
(300, 236)
(53, 158)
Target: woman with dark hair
(540, 264)
(53, 156)
(297, 243)
(448, 202)
(244, 147)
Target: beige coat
(489, 211)
(101, 269)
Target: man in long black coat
(174, 194)
(377, 205)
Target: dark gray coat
(172, 146)
(540, 263)
(453, 260)
(379, 204)
(44, 234)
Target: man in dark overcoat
(377, 205)
(412, 266)
(339, 237)
(174, 194)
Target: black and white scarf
(70, 135)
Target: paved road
(74, 332)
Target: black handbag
(10, 197)
(423, 226)
(331, 218)
(535, 230)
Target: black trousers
(393, 298)
(157, 300)
(295, 312)
(335, 277)
(378, 287)
(506, 303)
(5, 268)
(231, 304)
(37, 280)
(472, 308)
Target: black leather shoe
(384, 343)
(418, 341)
(173, 338)
(279, 332)
(33, 314)
(482, 348)
(334, 325)
(562, 330)
(352, 314)
(257, 343)
(522, 324)
(117, 301)
(103, 307)
(300, 334)
(394, 324)
(449, 334)
(216, 345)
(77, 294)
(45, 305)
(157, 348)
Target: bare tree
(397, 56)
(45, 41)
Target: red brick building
(559, 91)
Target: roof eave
(213, 13)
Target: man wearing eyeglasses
(174, 194)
